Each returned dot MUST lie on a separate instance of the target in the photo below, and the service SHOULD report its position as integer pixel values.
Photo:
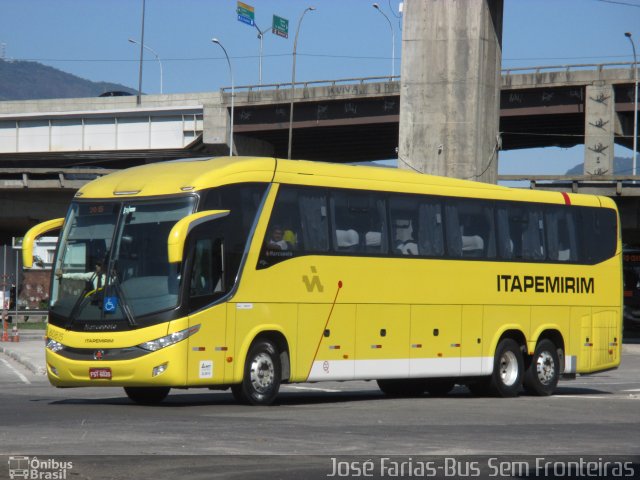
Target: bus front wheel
(147, 395)
(262, 373)
(541, 378)
(508, 368)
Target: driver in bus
(96, 278)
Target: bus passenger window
(561, 234)
(359, 220)
(476, 229)
(298, 225)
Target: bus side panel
(580, 338)
(382, 341)
(335, 358)
(606, 341)
(208, 347)
(435, 340)
(471, 360)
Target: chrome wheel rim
(262, 372)
(545, 368)
(508, 368)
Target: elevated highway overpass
(50, 147)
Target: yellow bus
(246, 273)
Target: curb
(37, 369)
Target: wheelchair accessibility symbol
(110, 304)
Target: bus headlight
(170, 339)
(53, 345)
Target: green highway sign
(280, 26)
(246, 14)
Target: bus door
(206, 274)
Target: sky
(339, 39)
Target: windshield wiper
(114, 281)
(84, 295)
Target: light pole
(131, 40)
(293, 79)
(393, 40)
(215, 40)
(260, 37)
(635, 103)
(139, 97)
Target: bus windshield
(112, 260)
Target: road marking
(600, 397)
(20, 376)
(632, 390)
(329, 390)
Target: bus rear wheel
(262, 374)
(541, 378)
(147, 395)
(508, 368)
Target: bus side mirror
(32, 234)
(179, 232)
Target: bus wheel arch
(264, 368)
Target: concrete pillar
(215, 128)
(216, 124)
(599, 127)
(450, 87)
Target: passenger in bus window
(276, 240)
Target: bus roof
(192, 175)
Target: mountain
(621, 166)
(31, 80)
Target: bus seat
(373, 239)
(408, 248)
(472, 244)
(347, 240)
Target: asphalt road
(311, 423)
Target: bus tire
(147, 395)
(439, 387)
(394, 387)
(541, 378)
(508, 369)
(262, 374)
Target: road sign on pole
(280, 26)
(246, 14)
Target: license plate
(100, 373)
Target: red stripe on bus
(567, 200)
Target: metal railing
(314, 83)
(599, 67)
(19, 178)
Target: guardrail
(575, 183)
(568, 68)
(392, 78)
(314, 83)
(18, 178)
